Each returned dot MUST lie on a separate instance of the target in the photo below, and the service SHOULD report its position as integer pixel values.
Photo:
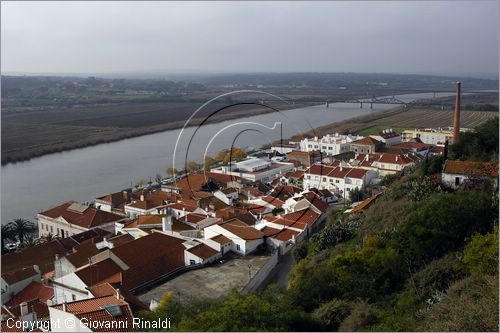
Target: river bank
(106, 135)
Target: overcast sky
(409, 37)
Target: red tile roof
(93, 311)
(241, 230)
(269, 232)
(286, 234)
(33, 291)
(203, 251)
(221, 239)
(19, 275)
(82, 254)
(305, 216)
(368, 141)
(161, 255)
(471, 168)
(89, 218)
(102, 271)
(108, 289)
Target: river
(84, 174)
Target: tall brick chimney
(456, 118)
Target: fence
(262, 274)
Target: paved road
(279, 274)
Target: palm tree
(47, 238)
(7, 234)
(21, 228)
(29, 241)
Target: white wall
(60, 317)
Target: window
(73, 297)
(337, 181)
(51, 230)
(324, 147)
(457, 181)
(309, 146)
(192, 262)
(308, 177)
(238, 248)
(324, 179)
(330, 148)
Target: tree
(220, 156)
(481, 254)
(192, 166)
(21, 228)
(7, 234)
(141, 183)
(208, 163)
(158, 178)
(171, 171)
(48, 238)
(29, 241)
(237, 153)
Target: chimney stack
(456, 118)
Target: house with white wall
(457, 173)
(244, 238)
(71, 218)
(337, 179)
(330, 144)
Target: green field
(377, 128)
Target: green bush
(362, 315)
(469, 305)
(330, 315)
(481, 254)
(441, 223)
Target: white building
(431, 136)
(71, 218)
(329, 144)
(13, 282)
(338, 179)
(227, 195)
(385, 163)
(456, 173)
(255, 169)
(244, 238)
(387, 136)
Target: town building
(385, 163)
(431, 136)
(457, 173)
(329, 144)
(366, 145)
(387, 136)
(255, 169)
(99, 314)
(71, 218)
(338, 179)
(244, 238)
(304, 158)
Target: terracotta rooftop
(86, 217)
(203, 251)
(82, 254)
(34, 291)
(93, 309)
(365, 204)
(102, 271)
(471, 168)
(368, 141)
(269, 232)
(221, 239)
(161, 255)
(286, 234)
(242, 230)
(111, 289)
(19, 275)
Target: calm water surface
(84, 174)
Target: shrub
(481, 254)
(362, 315)
(331, 314)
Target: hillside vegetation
(422, 258)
